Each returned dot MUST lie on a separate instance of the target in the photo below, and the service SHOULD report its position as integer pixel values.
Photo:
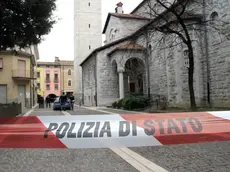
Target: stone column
(121, 71)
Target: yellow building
(40, 79)
(17, 77)
(67, 77)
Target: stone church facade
(164, 70)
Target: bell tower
(87, 35)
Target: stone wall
(169, 71)
(219, 55)
(115, 24)
(107, 91)
(89, 82)
(129, 26)
(123, 27)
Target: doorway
(22, 96)
(3, 94)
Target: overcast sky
(59, 42)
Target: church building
(139, 59)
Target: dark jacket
(63, 99)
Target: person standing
(63, 99)
(72, 100)
(48, 102)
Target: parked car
(57, 104)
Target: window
(21, 68)
(214, 17)
(1, 63)
(56, 87)
(111, 34)
(69, 72)
(185, 53)
(38, 86)
(89, 4)
(47, 77)
(56, 77)
(89, 47)
(89, 25)
(69, 83)
(47, 87)
(38, 74)
(186, 60)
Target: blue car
(57, 105)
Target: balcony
(56, 81)
(47, 80)
(22, 74)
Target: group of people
(49, 100)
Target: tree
(175, 19)
(24, 22)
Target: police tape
(106, 131)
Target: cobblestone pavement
(56, 160)
(203, 157)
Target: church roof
(128, 46)
(130, 16)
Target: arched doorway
(134, 75)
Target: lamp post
(63, 79)
(59, 65)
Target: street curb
(30, 111)
(94, 107)
(124, 110)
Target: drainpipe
(63, 82)
(95, 79)
(206, 54)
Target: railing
(47, 80)
(21, 73)
(56, 81)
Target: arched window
(150, 47)
(214, 17)
(69, 72)
(112, 34)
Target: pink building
(55, 77)
(52, 81)
(49, 78)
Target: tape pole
(108, 131)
